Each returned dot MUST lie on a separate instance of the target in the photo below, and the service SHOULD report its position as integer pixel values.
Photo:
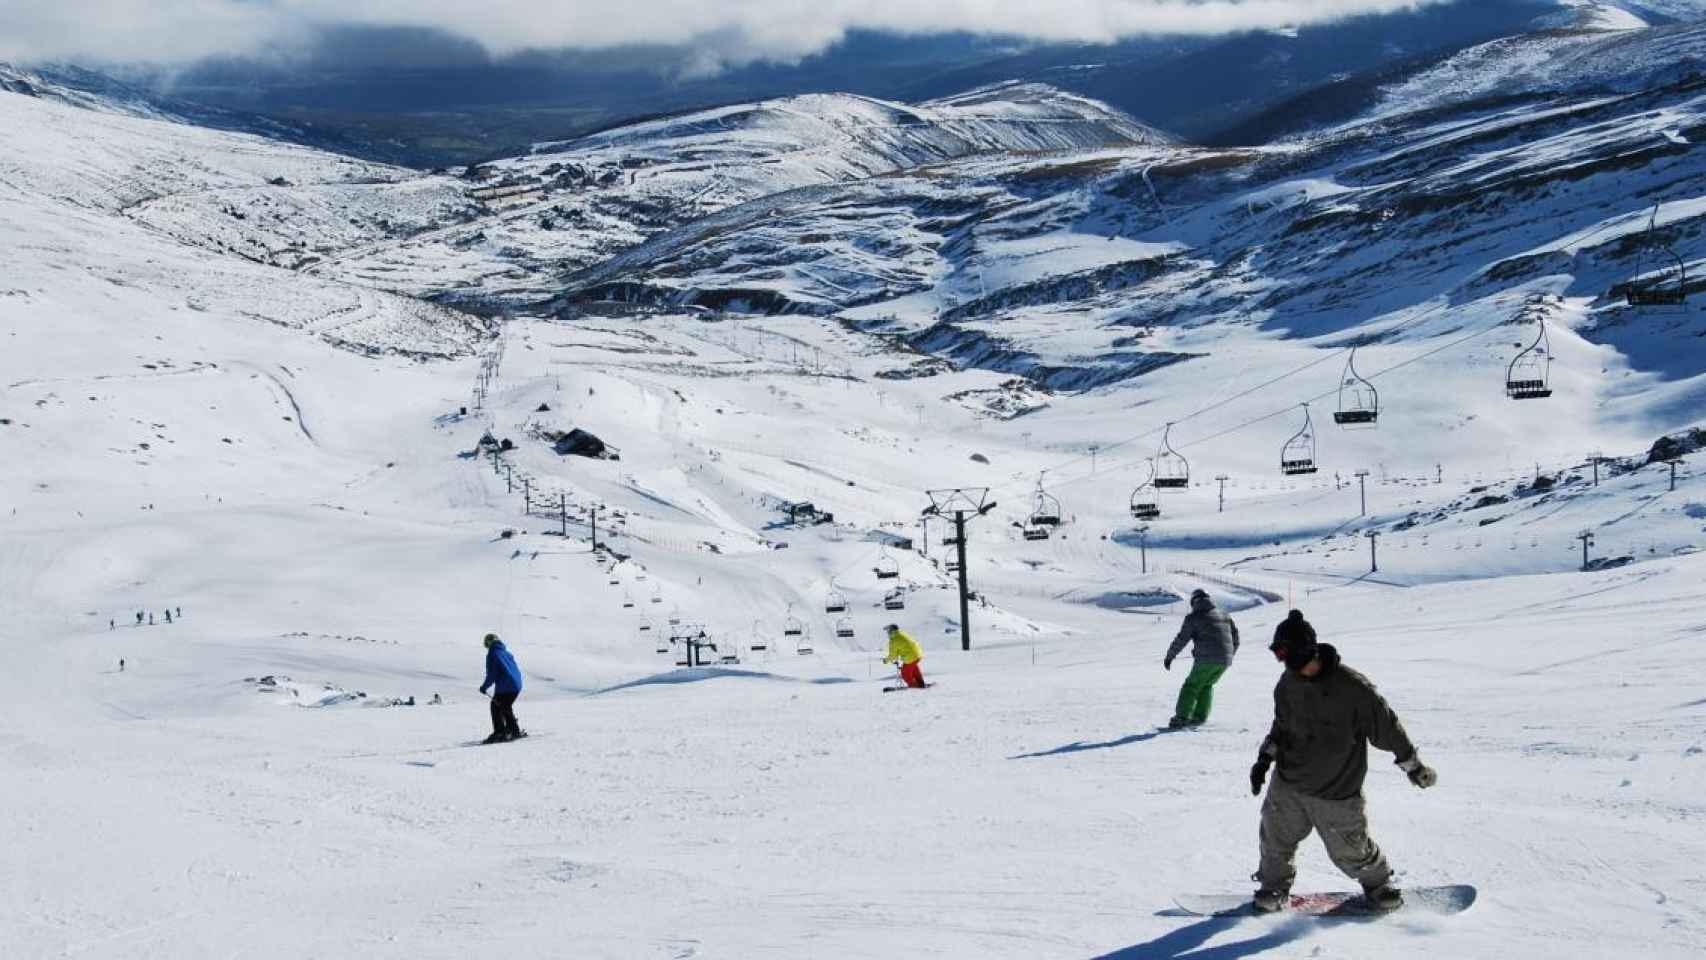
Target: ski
(904, 687)
(497, 743)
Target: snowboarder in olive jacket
(1325, 716)
(503, 677)
(1214, 640)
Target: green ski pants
(1196, 697)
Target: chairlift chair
(895, 600)
(1172, 470)
(1359, 401)
(834, 602)
(886, 567)
(793, 626)
(1045, 511)
(844, 628)
(627, 601)
(1036, 533)
(675, 617)
(803, 643)
(727, 657)
(1145, 504)
(1297, 457)
(1669, 288)
(657, 594)
(1529, 376)
(759, 644)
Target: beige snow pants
(1288, 817)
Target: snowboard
(905, 687)
(1443, 901)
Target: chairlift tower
(961, 504)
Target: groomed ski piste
(281, 455)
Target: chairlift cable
(1503, 298)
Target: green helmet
(491, 639)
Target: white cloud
(725, 30)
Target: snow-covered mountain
(505, 232)
(238, 384)
(1096, 266)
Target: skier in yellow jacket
(905, 651)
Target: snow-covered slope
(333, 540)
(72, 180)
(1552, 64)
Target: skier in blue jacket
(503, 677)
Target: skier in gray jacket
(1214, 640)
(1325, 716)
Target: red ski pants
(913, 676)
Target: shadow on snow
(1182, 944)
(1081, 745)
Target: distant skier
(1325, 716)
(905, 651)
(112, 623)
(1214, 640)
(180, 613)
(504, 679)
(139, 618)
(120, 664)
(151, 619)
(168, 615)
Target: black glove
(1419, 773)
(1259, 774)
(1167, 663)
